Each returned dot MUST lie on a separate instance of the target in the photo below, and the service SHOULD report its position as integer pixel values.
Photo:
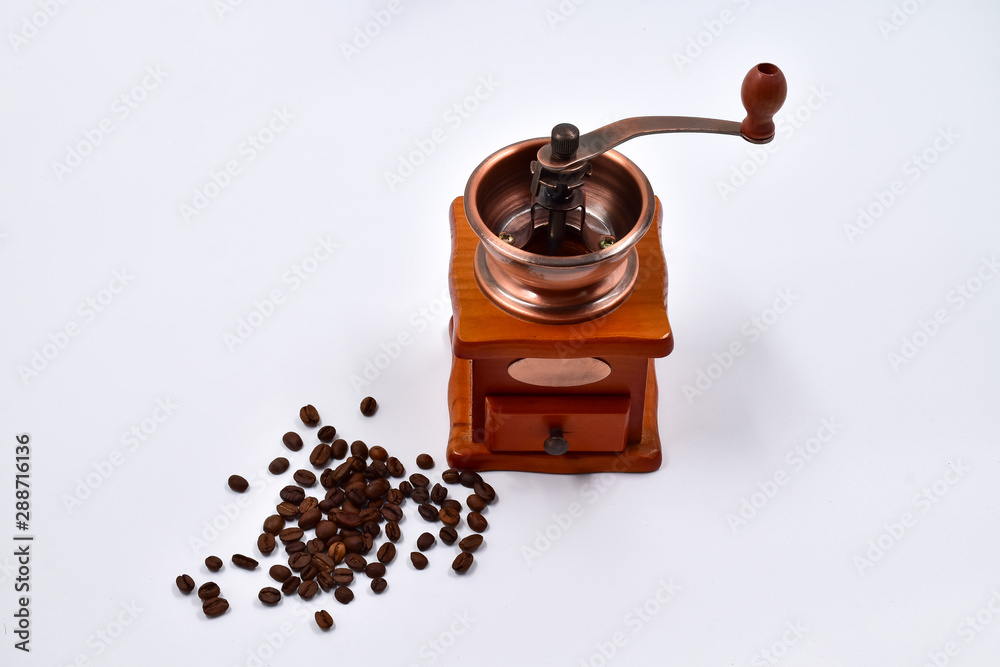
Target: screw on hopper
(559, 191)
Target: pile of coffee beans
(329, 538)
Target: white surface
(161, 338)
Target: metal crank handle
(763, 93)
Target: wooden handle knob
(763, 93)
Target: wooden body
(499, 423)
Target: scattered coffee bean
(375, 570)
(265, 543)
(305, 478)
(238, 484)
(420, 494)
(339, 449)
(290, 585)
(295, 547)
(470, 543)
(428, 512)
(386, 553)
(452, 503)
(425, 541)
(185, 584)
(368, 406)
(475, 503)
(292, 494)
(278, 465)
(323, 619)
(394, 497)
(377, 453)
(325, 581)
(269, 596)
(378, 488)
(309, 415)
(215, 607)
(343, 594)
(439, 494)
(291, 534)
(379, 585)
(425, 462)
(308, 503)
(299, 561)
(274, 524)
(320, 455)
(449, 516)
(209, 590)
(395, 466)
(343, 576)
(279, 573)
(213, 563)
(477, 522)
(337, 552)
(448, 535)
(392, 531)
(462, 562)
(356, 562)
(326, 433)
(485, 491)
(391, 512)
(359, 449)
(309, 518)
(288, 510)
(245, 562)
(292, 440)
(308, 590)
(450, 476)
(418, 559)
(417, 479)
(406, 489)
(468, 479)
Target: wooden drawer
(588, 423)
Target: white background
(822, 554)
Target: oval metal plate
(559, 372)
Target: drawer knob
(556, 444)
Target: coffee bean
(292, 440)
(386, 553)
(450, 476)
(379, 585)
(265, 543)
(452, 503)
(417, 479)
(315, 546)
(309, 415)
(439, 494)
(339, 449)
(377, 453)
(296, 547)
(290, 585)
(375, 570)
(327, 433)
(288, 510)
(348, 519)
(425, 541)
(449, 516)
(395, 467)
(238, 484)
(213, 563)
(475, 503)
(425, 462)
(343, 576)
(392, 531)
(406, 489)
(245, 562)
(292, 494)
(377, 488)
(462, 562)
(278, 465)
(477, 522)
(418, 559)
(299, 561)
(420, 494)
(468, 479)
(428, 512)
(356, 562)
(215, 607)
(359, 449)
(279, 573)
(325, 581)
(343, 594)
(269, 596)
(290, 534)
(323, 619)
(320, 455)
(310, 518)
(325, 529)
(337, 552)
(368, 406)
(323, 562)
(394, 497)
(448, 535)
(185, 584)
(308, 589)
(470, 543)
(355, 544)
(391, 512)
(485, 491)
(305, 478)
(209, 590)
(274, 524)
(308, 503)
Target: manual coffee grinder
(558, 284)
